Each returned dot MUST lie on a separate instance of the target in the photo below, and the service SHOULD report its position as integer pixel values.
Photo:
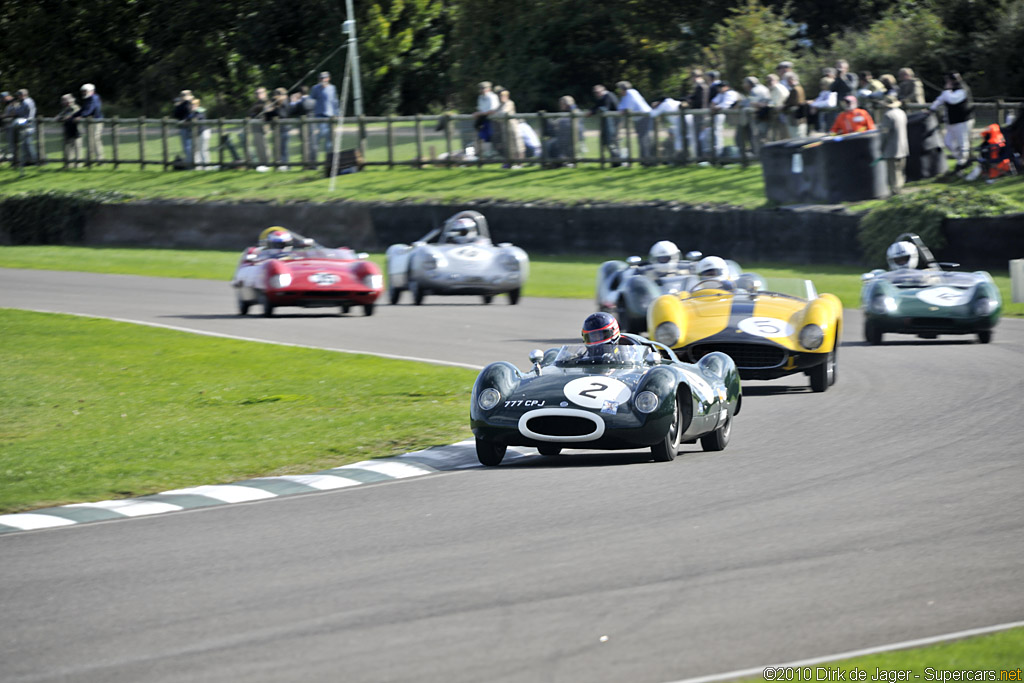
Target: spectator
(757, 114)
(911, 90)
(92, 108)
(700, 98)
(183, 113)
(325, 106)
(713, 79)
(203, 133)
(529, 140)
(959, 116)
(26, 124)
(725, 99)
(630, 100)
(820, 110)
(486, 102)
(280, 109)
(7, 107)
(303, 105)
(560, 144)
(779, 94)
(846, 82)
(669, 108)
(870, 87)
(257, 126)
(852, 119)
(782, 70)
(889, 85)
(606, 101)
(505, 129)
(796, 107)
(72, 136)
(892, 125)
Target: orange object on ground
(993, 150)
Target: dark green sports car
(635, 394)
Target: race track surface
(887, 509)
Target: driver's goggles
(601, 336)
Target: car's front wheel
(487, 299)
(268, 308)
(718, 439)
(243, 305)
(984, 336)
(665, 450)
(416, 291)
(513, 296)
(367, 309)
(823, 374)
(490, 453)
(872, 332)
(394, 294)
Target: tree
(750, 42)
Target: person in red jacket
(852, 119)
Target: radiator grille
(561, 425)
(746, 356)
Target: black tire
(549, 449)
(718, 439)
(416, 291)
(489, 453)
(394, 294)
(823, 374)
(488, 299)
(984, 336)
(872, 333)
(665, 450)
(367, 309)
(513, 296)
(243, 305)
(268, 308)
(345, 309)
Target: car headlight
(983, 306)
(667, 333)
(508, 262)
(374, 280)
(488, 398)
(811, 336)
(646, 402)
(880, 303)
(280, 281)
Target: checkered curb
(461, 455)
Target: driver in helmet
(276, 242)
(901, 255)
(601, 334)
(714, 269)
(463, 231)
(664, 256)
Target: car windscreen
(578, 355)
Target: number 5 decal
(766, 327)
(594, 392)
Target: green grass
(93, 409)
(570, 277)
(995, 652)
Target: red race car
(287, 269)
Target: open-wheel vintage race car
(457, 258)
(287, 269)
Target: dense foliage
(421, 56)
(52, 217)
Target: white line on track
(206, 333)
(905, 645)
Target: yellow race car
(769, 329)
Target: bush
(924, 213)
(50, 217)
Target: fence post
(389, 127)
(114, 123)
(164, 122)
(40, 148)
(448, 139)
(142, 143)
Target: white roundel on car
(766, 327)
(944, 296)
(470, 253)
(596, 391)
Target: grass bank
(550, 276)
(120, 410)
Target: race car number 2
(766, 327)
(596, 392)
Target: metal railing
(450, 140)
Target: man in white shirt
(487, 101)
(631, 100)
(725, 99)
(959, 118)
(669, 108)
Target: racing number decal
(766, 327)
(595, 392)
(942, 296)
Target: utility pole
(349, 29)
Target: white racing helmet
(664, 253)
(713, 268)
(901, 255)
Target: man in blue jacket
(92, 109)
(325, 96)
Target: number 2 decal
(591, 392)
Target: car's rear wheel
(243, 305)
(549, 449)
(268, 308)
(489, 453)
(513, 296)
(345, 308)
(984, 336)
(718, 439)
(665, 450)
(367, 309)
(823, 374)
(394, 294)
(416, 291)
(872, 332)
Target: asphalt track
(889, 508)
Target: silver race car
(626, 288)
(457, 258)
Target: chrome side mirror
(693, 255)
(633, 260)
(362, 255)
(536, 356)
(250, 256)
